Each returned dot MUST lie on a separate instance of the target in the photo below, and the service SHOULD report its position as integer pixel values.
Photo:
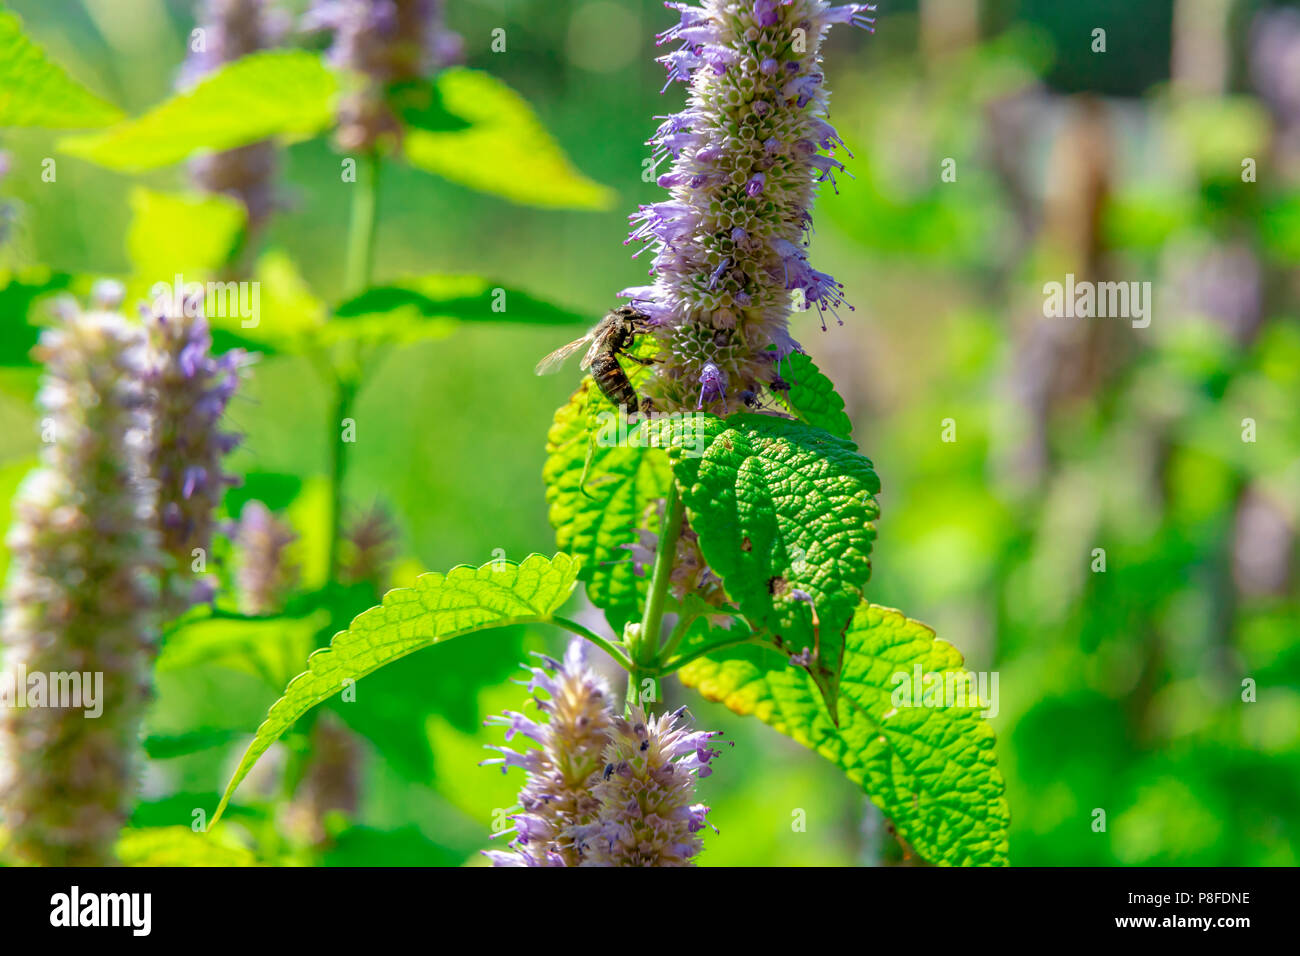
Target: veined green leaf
(438, 608)
(930, 769)
(812, 396)
(505, 150)
(784, 513)
(598, 503)
(263, 95)
(36, 91)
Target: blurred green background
(1120, 690)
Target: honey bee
(609, 339)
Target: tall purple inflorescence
(80, 618)
(648, 815)
(557, 795)
(389, 42)
(234, 29)
(189, 389)
(601, 789)
(747, 153)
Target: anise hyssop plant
(724, 525)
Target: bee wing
(553, 361)
(596, 342)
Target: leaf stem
(645, 645)
(609, 647)
(679, 630)
(677, 663)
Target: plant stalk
(357, 278)
(645, 648)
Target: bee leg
(647, 406)
(639, 361)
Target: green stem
(357, 277)
(683, 625)
(361, 231)
(677, 663)
(609, 647)
(645, 647)
(345, 392)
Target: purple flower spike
(648, 816)
(747, 156)
(389, 42)
(601, 789)
(569, 758)
(189, 389)
(81, 594)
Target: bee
(609, 339)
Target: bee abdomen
(612, 381)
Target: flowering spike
(389, 42)
(746, 163)
(189, 389)
(80, 607)
(648, 817)
(602, 790)
(557, 795)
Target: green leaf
(272, 649)
(190, 234)
(428, 307)
(466, 297)
(931, 770)
(288, 312)
(36, 91)
(596, 517)
(267, 94)
(438, 608)
(180, 846)
(812, 396)
(505, 151)
(419, 105)
(781, 508)
(168, 746)
(365, 846)
(20, 293)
